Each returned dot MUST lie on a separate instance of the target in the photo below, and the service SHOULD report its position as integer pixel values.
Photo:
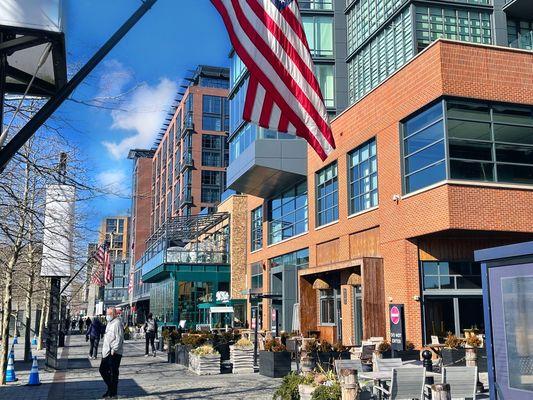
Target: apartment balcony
(188, 124)
(186, 199)
(187, 162)
(268, 165)
(522, 9)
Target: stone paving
(140, 378)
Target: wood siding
(373, 298)
(327, 252)
(365, 244)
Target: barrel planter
(242, 360)
(204, 365)
(274, 364)
(453, 357)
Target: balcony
(186, 199)
(187, 162)
(188, 124)
(268, 165)
(521, 9)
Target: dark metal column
(52, 330)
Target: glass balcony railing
(196, 257)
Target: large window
(257, 228)
(363, 175)
(520, 34)
(215, 113)
(287, 214)
(257, 277)
(459, 24)
(213, 149)
(327, 195)
(325, 74)
(212, 186)
(319, 33)
(299, 258)
(327, 307)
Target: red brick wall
(143, 205)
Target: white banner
(58, 231)
(34, 14)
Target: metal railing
(196, 257)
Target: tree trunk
(6, 307)
(44, 317)
(27, 317)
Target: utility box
(31, 31)
(507, 276)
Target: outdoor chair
(367, 352)
(406, 384)
(462, 381)
(386, 364)
(348, 364)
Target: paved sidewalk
(140, 378)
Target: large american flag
(283, 92)
(102, 275)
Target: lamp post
(259, 296)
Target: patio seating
(462, 380)
(367, 352)
(348, 364)
(386, 364)
(406, 383)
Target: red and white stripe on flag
(108, 272)
(283, 92)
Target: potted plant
(204, 360)
(188, 343)
(165, 334)
(340, 352)
(173, 338)
(452, 353)
(410, 353)
(308, 355)
(293, 386)
(274, 361)
(472, 343)
(324, 355)
(242, 356)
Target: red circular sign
(394, 315)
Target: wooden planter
(306, 391)
(274, 364)
(182, 354)
(204, 365)
(242, 360)
(453, 357)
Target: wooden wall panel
(365, 244)
(308, 307)
(327, 252)
(373, 298)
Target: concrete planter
(274, 364)
(306, 391)
(242, 360)
(204, 365)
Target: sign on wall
(397, 331)
(58, 231)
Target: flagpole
(78, 272)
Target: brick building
(434, 163)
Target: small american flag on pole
(283, 92)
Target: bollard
(349, 385)
(441, 391)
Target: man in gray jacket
(112, 352)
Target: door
(358, 315)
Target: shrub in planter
(242, 357)
(453, 354)
(324, 355)
(339, 352)
(327, 392)
(204, 360)
(289, 386)
(274, 361)
(308, 355)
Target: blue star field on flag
(282, 4)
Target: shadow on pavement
(93, 389)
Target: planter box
(274, 364)
(306, 391)
(453, 357)
(171, 356)
(408, 355)
(323, 358)
(182, 354)
(242, 360)
(204, 365)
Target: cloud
(114, 181)
(114, 79)
(143, 114)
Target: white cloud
(113, 80)
(143, 114)
(114, 181)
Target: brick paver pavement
(140, 378)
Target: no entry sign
(397, 333)
(395, 315)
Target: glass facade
(325, 74)
(327, 195)
(520, 34)
(485, 142)
(363, 176)
(299, 258)
(162, 301)
(215, 113)
(384, 54)
(287, 214)
(318, 5)
(257, 277)
(257, 228)
(319, 33)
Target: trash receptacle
(61, 339)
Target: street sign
(397, 333)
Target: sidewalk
(140, 378)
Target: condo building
(434, 160)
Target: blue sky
(144, 70)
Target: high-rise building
(190, 158)
(433, 160)
(140, 228)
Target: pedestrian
(87, 323)
(150, 333)
(112, 352)
(73, 325)
(93, 333)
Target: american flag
(131, 283)
(108, 271)
(283, 92)
(99, 276)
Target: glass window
(257, 228)
(327, 307)
(215, 111)
(316, 4)
(438, 275)
(325, 74)
(520, 33)
(299, 258)
(327, 195)
(319, 33)
(287, 214)
(210, 194)
(363, 176)
(257, 277)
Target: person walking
(150, 333)
(93, 333)
(112, 350)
